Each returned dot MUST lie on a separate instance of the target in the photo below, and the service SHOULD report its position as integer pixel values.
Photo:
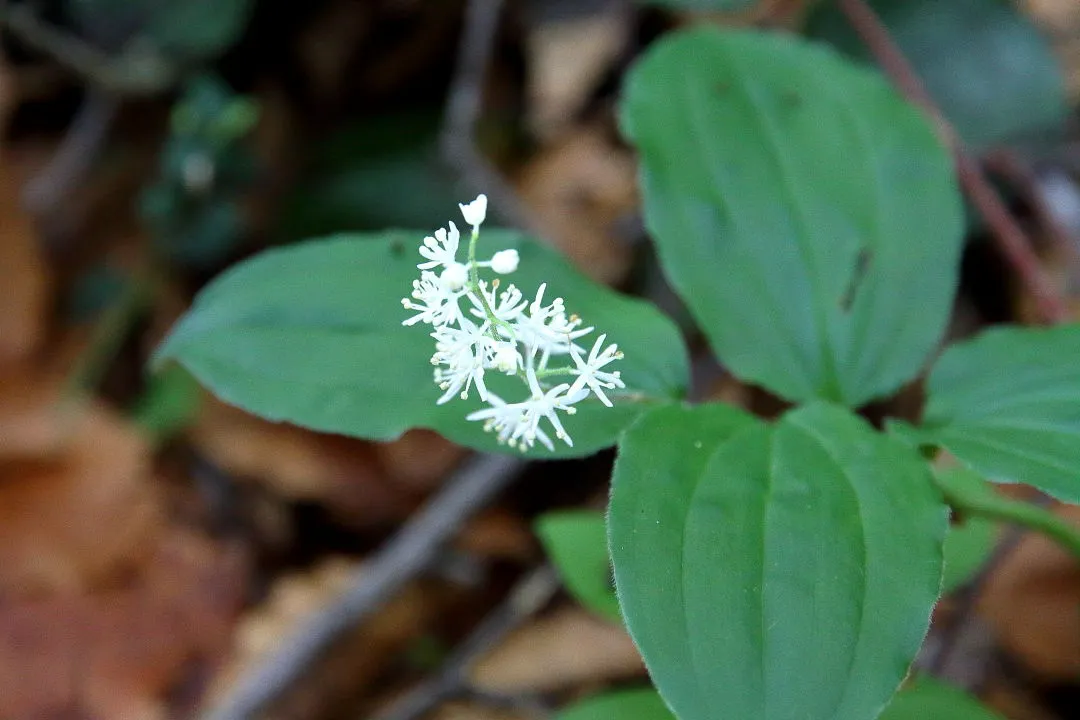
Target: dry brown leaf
(567, 648)
(581, 188)
(363, 483)
(118, 652)
(467, 711)
(1033, 602)
(354, 662)
(419, 459)
(498, 535)
(34, 424)
(567, 59)
(24, 282)
(81, 515)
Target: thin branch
(71, 162)
(1011, 239)
(463, 109)
(406, 555)
(138, 72)
(1023, 178)
(526, 599)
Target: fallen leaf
(582, 188)
(343, 473)
(567, 648)
(82, 513)
(1033, 602)
(357, 658)
(497, 534)
(467, 711)
(24, 281)
(117, 653)
(567, 59)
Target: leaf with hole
(311, 334)
(807, 215)
(772, 571)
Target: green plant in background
(194, 209)
(810, 220)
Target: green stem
(547, 372)
(474, 285)
(108, 335)
(990, 505)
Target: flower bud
(454, 276)
(475, 212)
(505, 261)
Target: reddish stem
(1011, 239)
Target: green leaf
(311, 334)
(576, 542)
(1007, 404)
(988, 68)
(971, 495)
(970, 543)
(772, 571)
(807, 215)
(928, 699)
(625, 705)
(169, 404)
(967, 548)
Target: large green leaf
(928, 699)
(771, 573)
(576, 541)
(988, 68)
(1007, 404)
(312, 334)
(806, 214)
(624, 705)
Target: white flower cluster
(478, 328)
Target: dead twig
(463, 109)
(404, 557)
(71, 162)
(1011, 239)
(526, 599)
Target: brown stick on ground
(1011, 238)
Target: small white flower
(547, 328)
(505, 262)
(441, 249)
(507, 359)
(589, 373)
(455, 276)
(434, 302)
(461, 352)
(475, 212)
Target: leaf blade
(312, 334)
(781, 588)
(851, 277)
(1007, 404)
